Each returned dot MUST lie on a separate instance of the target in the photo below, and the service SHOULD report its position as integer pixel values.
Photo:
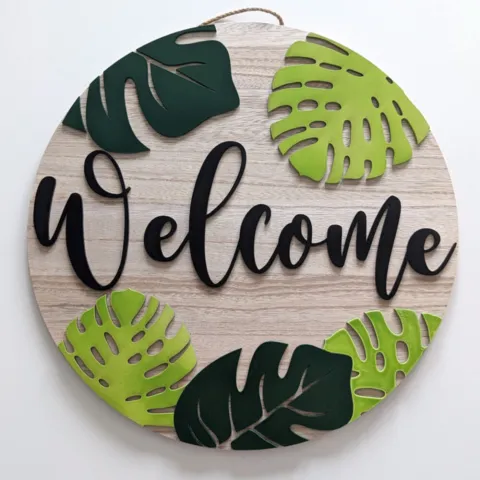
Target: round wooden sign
(279, 195)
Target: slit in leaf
(330, 157)
(156, 391)
(410, 134)
(303, 144)
(347, 133)
(98, 318)
(367, 167)
(319, 84)
(288, 85)
(424, 330)
(397, 107)
(139, 315)
(153, 90)
(267, 440)
(402, 352)
(161, 410)
(180, 384)
(138, 336)
(304, 413)
(328, 44)
(112, 315)
(195, 37)
(299, 61)
(399, 376)
(111, 343)
(354, 73)
(367, 131)
(83, 367)
(156, 370)
(171, 328)
(370, 392)
(289, 133)
(346, 165)
(386, 128)
(375, 102)
(197, 441)
(380, 361)
(155, 347)
(152, 321)
(371, 331)
(103, 383)
(97, 356)
(205, 426)
(318, 124)
(102, 93)
(134, 359)
(358, 343)
(333, 106)
(133, 398)
(175, 357)
(390, 156)
(395, 324)
(280, 112)
(307, 105)
(80, 326)
(260, 394)
(68, 346)
(330, 66)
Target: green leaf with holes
(123, 354)
(381, 378)
(314, 392)
(350, 95)
(199, 88)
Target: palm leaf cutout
(315, 392)
(116, 359)
(201, 88)
(348, 93)
(369, 375)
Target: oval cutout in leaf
(122, 375)
(315, 393)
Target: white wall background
(52, 427)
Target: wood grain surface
(301, 306)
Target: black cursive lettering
(72, 215)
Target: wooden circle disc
(304, 305)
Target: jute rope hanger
(244, 10)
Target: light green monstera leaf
(369, 375)
(127, 359)
(340, 91)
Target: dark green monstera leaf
(200, 88)
(315, 393)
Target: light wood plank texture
(303, 306)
